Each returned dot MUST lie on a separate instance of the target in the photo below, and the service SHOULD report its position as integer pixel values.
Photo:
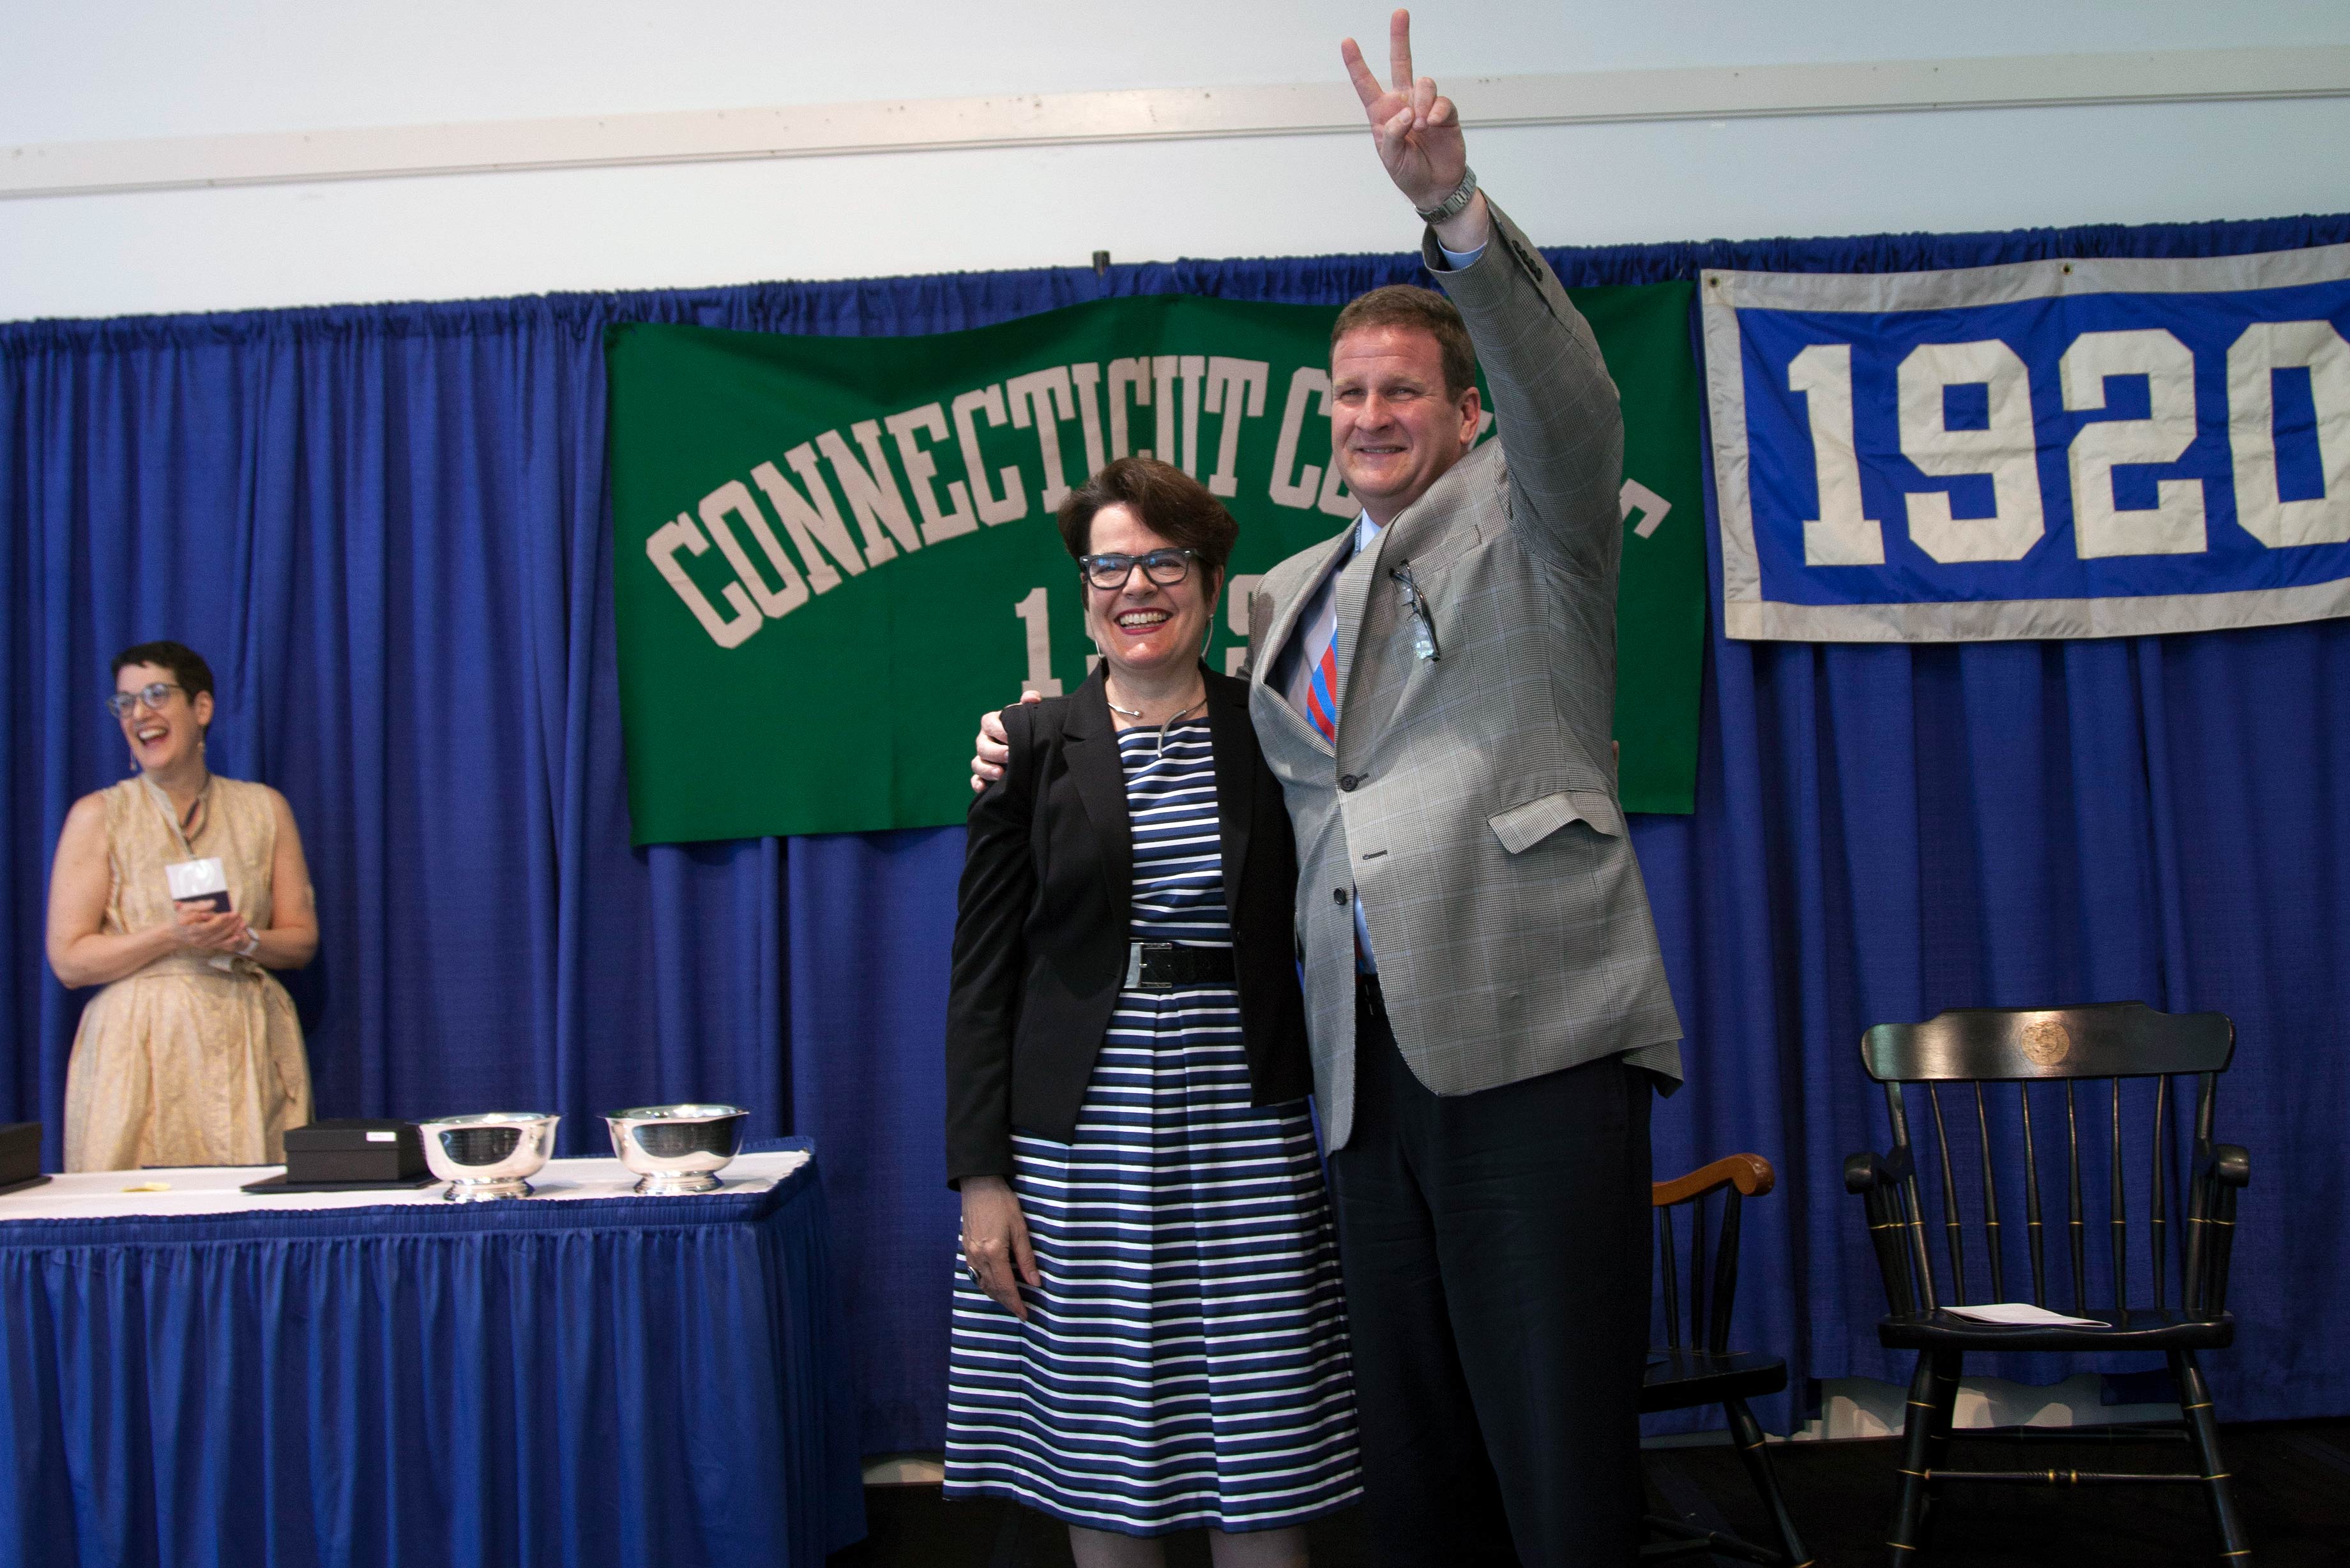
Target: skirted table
(582, 1377)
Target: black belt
(1163, 966)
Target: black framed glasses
(151, 696)
(1165, 567)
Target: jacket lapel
(1413, 529)
(1235, 743)
(1090, 743)
(1288, 628)
(1353, 592)
(1287, 616)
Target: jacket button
(1349, 780)
(1338, 895)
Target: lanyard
(171, 818)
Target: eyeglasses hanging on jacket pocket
(1423, 621)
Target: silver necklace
(1136, 713)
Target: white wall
(103, 72)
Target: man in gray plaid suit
(1486, 1002)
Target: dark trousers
(1496, 1248)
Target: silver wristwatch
(1455, 204)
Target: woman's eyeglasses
(1165, 567)
(151, 696)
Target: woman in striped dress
(1149, 1334)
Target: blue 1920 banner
(2048, 450)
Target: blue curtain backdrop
(385, 527)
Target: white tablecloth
(214, 1188)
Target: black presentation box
(20, 1153)
(354, 1149)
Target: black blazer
(1042, 921)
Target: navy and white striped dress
(1185, 1362)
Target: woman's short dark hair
(1163, 499)
(186, 665)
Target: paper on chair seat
(2022, 1315)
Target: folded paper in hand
(201, 885)
(203, 882)
(2022, 1315)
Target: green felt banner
(830, 555)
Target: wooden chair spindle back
(1999, 1053)
(1712, 1270)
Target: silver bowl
(493, 1155)
(677, 1149)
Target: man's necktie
(1322, 683)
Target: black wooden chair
(2019, 1079)
(1706, 1371)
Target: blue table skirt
(655, 1380)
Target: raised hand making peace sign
(1417, 133)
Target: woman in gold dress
(191, 1053)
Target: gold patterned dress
(186, 1061)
